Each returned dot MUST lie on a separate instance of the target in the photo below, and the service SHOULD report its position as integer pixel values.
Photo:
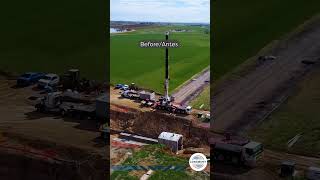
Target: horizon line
(160, 21)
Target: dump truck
(236, 151)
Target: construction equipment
(133, 86)
(131, 94)
(147, 103)
(173, 108)
(53, 102)
(166, 102)
(57, 102)
(71, 79)
(236, 151)
(204, 117)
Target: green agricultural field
(53, 37)
(202, 100)
(242, 28)
(300, 115)
(145, 66)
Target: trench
(151, 124)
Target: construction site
(241, 102)
(140, 117)
(52, 127)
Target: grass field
(203, 98)
(300, 115)
(242, 28)
(53, 37)
(145, 66)
(156, 155)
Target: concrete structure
(138, 138)
(171, 140)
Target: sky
(188, 11)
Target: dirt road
(192, 88)
(232, 103)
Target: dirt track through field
(192, 88)
(233, 101)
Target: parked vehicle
(118, 86)
(173, 108)
(49, 80)
(125, 87)
(29, 78)
(237, 153)
(147, 103)
(131, 94)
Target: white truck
(50, 80)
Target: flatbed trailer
(55, 103)
(76, 109)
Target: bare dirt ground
(20, 117)
(20, 123)
(192, 88)
(233, 102)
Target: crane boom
(166, 83)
